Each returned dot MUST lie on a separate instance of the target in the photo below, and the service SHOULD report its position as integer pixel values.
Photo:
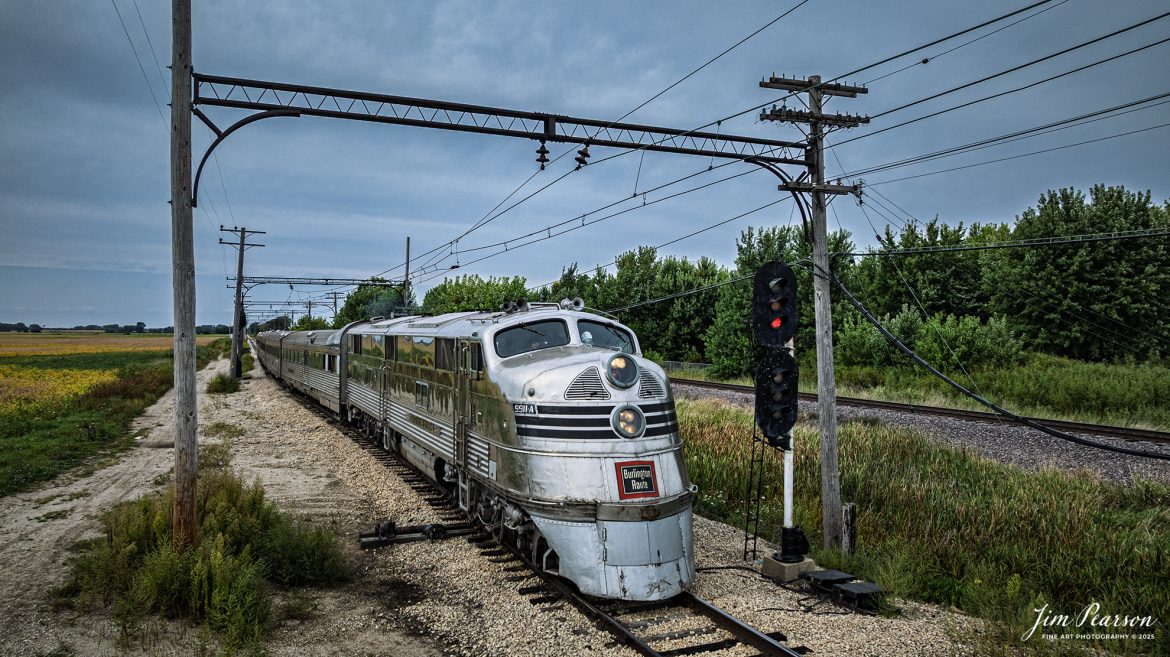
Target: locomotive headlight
(622, 371)
(629, 421)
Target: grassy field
(68, 397)
(946, 526)
(1042, 386)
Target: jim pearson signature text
(1090, 616)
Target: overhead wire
(1000, 94)
(825, 82)
(1122, 339)
(892, 339)
(1017, 135)
(488, 218)
(1048, 302)
(1021, 155)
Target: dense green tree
(368, 301)
(730, 347)
(309, 323)
(472, 292)
(950, 282)
(1093, 300)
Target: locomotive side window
(606, 336)
(424, 351)
(530, 337)
(356, 347)
(445, 354)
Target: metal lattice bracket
(271, 99)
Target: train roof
(463, 324)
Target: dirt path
(38, 528)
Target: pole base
(793, 545)
(780, 571)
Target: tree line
(1092, 300)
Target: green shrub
(223, 384)
(944, 525)
(246, 546)
(939, 340)
(247, 362)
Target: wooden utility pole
(406, 278)
(184, 525)
(238, 322)
(826, 382)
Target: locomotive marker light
(774, 314)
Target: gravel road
(1004, 442)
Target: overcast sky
(84, 177)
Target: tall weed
(947, 526)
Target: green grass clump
(944, 525)
(223, 384)
(37, 446)
(246, 546)
(247, 362)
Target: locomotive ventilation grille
(648, 386)
(591, 422)
(587, 385)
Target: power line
(1126, 340)
(157, 65)
(1026, 243)
(676, 240)
(927, 60)
(982, 400)
(1016, 157)
(754, 108)
(689, 235)
(1000, 94)
(1054, 126)
(486, 220)
(145, 79)
(1022, 66)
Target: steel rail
(1110, 431)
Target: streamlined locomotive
(545, 421)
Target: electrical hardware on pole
(238, 322)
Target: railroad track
(1124, 433)
(683, 625)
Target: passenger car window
(530, 337)
(605, 336)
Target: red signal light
(777, 322)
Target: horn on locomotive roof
(508, 307)
(576, 303)
(522, 305)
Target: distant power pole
(238, 317)
(335, 295)
(184, 526)
(406, 277)
(826, 383)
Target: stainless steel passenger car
(545, 421)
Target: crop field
(70, 396)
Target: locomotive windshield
(606, 336)
(530, 337)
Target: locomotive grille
(587, 385)
(649, 386)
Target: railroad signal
(774, 304)
(776, 396)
